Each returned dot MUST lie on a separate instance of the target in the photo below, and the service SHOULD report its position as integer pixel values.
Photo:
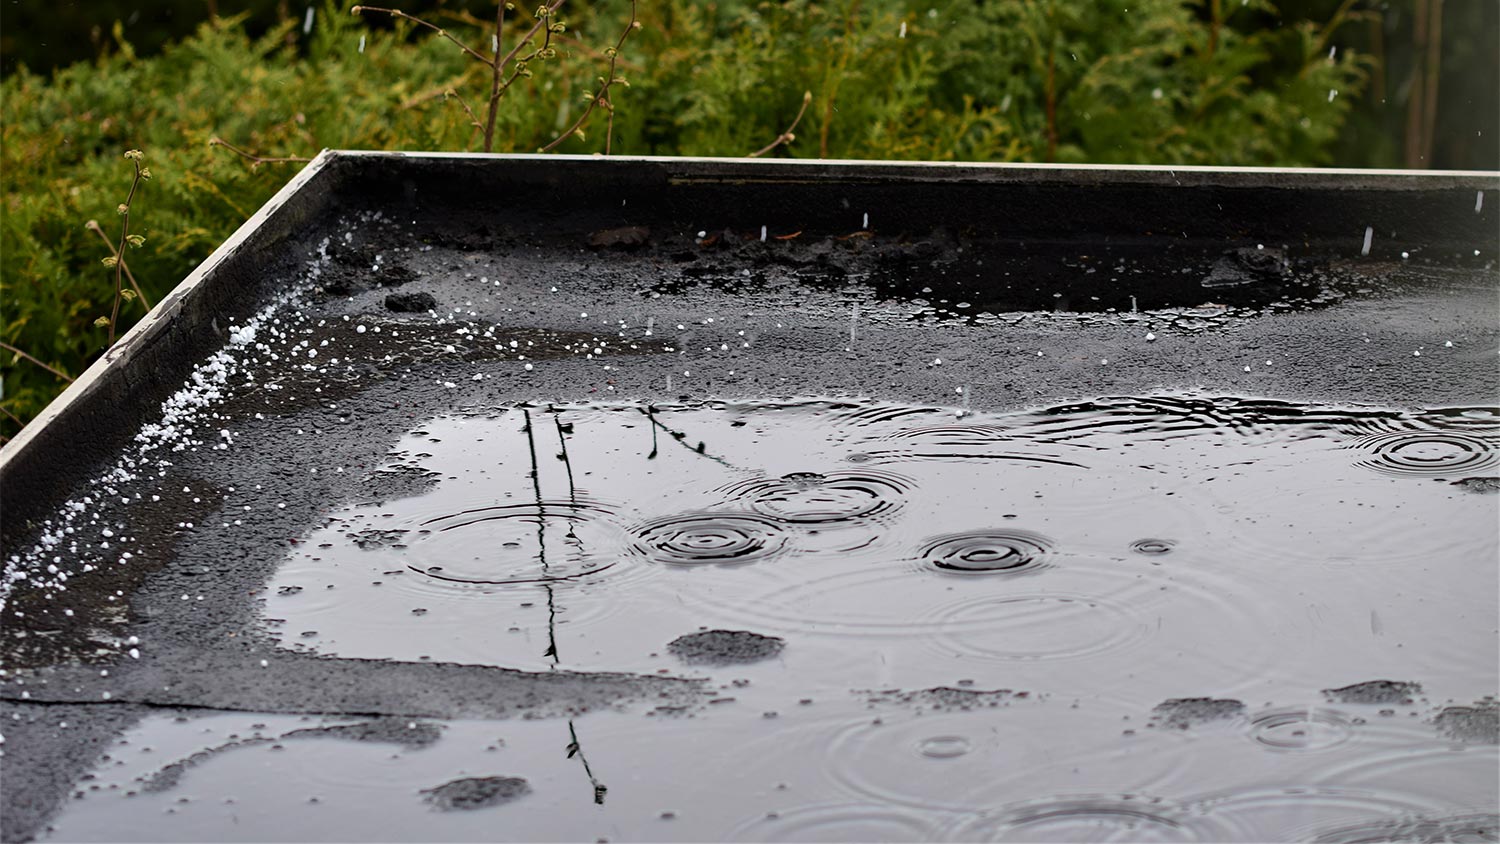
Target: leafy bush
(1140, 81)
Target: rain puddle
(1169, 618)
(851, 767)
(1165, 545)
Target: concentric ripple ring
(813, 498)
(987, 552)
(1428, 453)
(710, 538)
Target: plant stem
(496, 63)
(52, 369)
(497, 70)
(14, 418)
(252, 157)
(498, 84)
(1434, 66)
(397, 13)
(473, 118)
(114, 315)
(601, 97)
(1415, 152)
(531, 33)
(787, 136)
(93, 226)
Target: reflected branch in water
(567, 463)
(563, 456)
(681, 438)
(541, 540)
(576, 749)
(551, 624)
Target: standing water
(367, 595)
(1166, 618)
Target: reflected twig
(567, 464)
(563, 442)
(576, 749)
(681, 438)
(551, 625)
(541, 540)
(650, 414)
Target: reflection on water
(1168, 584)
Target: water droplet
(944, 747)
(1153, 547)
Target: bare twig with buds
(500, 80)
(786, 137)
(93, 226)
(116, 261)
(600, 98)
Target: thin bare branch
(50, 368)
(531, 33)
(252, 157)
(595, 53)
(497, 70)
(397, 13)
(518, 70)
(473, 118)
(119, 256)
(439, 91)
(787, 136)
(93, 226)
(600, 97)
(14, 418)
(499, 85)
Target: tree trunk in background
(1434, 59)
(1422, 89)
